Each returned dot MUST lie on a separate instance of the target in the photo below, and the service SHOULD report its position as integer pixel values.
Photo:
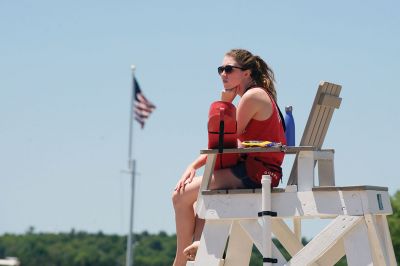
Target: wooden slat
(308, 204)
(286, 237)
(335, 91)
(207, 175)
(330, 101)
(325, 240)
(208, 172)
(357, 246)
(212, 243)
(384, 230)
(297, 227)
(239, 191)
(238, 252)
(216, 192)
(375, 239)
(317, 123)
(285, 149)
(322, 116)
(333, 255)
(314, 115)
(282, 190)
(350, 188)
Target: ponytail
(264, 76)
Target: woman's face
(234, 78)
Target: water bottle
(289, 123)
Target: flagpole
(132, 169)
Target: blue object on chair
(290, 128)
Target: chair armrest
(283, 148)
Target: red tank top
(270, 129)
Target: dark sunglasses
(228, 69)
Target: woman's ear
(247, 73)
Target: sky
(65, 85)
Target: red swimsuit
(252, 166)
(270, 163)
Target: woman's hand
(228, 95)
(186, 178)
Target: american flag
(142, 107)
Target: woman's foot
(190, 251)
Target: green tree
(155, 250)
(81, 249)
(394, 224)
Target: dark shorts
(240, 172)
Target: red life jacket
(222, 132)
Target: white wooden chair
(326, 101)
(248, 216)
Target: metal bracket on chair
(267, 213)
(270, 260)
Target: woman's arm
(228, 95)
(199, 162)
(254, 104)
(190, 171)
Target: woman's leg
(190, 251)
(198, 228)
(225, 179)
(222, 179)
(185, 218)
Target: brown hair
(261, 73)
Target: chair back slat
(325, 102)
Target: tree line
(98, 249)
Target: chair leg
(212, 243)
(239, 248)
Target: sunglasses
(228, 69)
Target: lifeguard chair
(358, 229)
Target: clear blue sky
(65, 89)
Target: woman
(258, 118)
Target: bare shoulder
(257, 94)
(254, 104)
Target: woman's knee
(183, 199)
(175, 198)
(178, 198)
(187, 195)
